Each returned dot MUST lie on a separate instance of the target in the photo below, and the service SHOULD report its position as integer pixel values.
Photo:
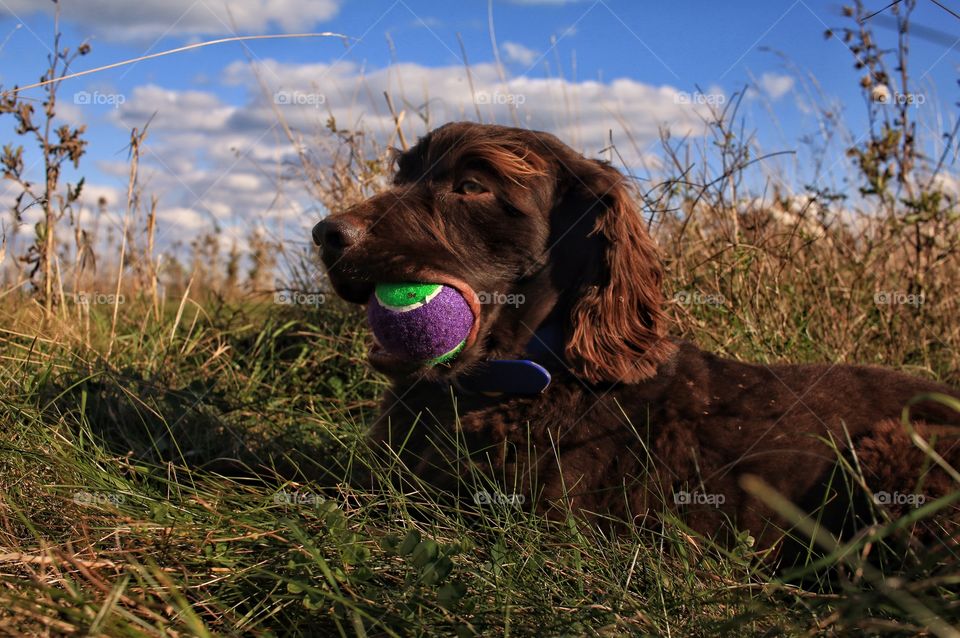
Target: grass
(197, 483)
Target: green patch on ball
(405, 297)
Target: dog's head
(526, 227)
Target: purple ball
(419, 322)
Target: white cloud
(776, 85)
(188, 220)
(129, 20)
(516, 52)
(231, 166)
(197, 111)
(581, 113)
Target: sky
(590, 71)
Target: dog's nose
(335, 234)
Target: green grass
(198, 483)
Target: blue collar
(498, 377)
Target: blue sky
(582, 68)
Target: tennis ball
(420, 322)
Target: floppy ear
(617, 330)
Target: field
(178, 447)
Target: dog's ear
(617, 327)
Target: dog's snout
(334, 235)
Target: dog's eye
(470, 187)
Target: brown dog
(633, 422)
